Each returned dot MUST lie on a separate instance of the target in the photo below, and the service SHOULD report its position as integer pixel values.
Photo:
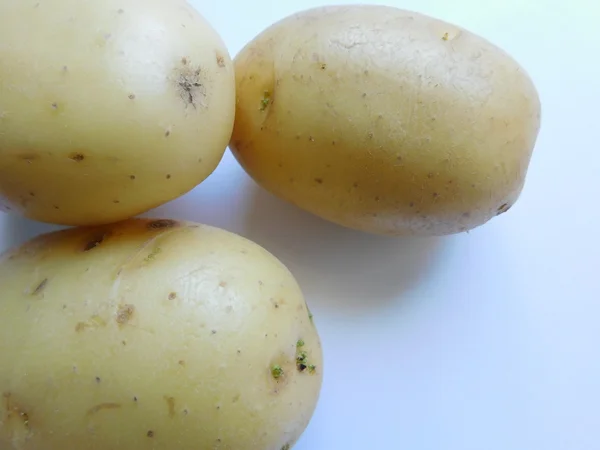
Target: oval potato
(108, 108)
(153, 334)
(384, 120)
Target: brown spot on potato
(286, 447)
(116, 202)
(131, 96)
(132, 177)
(14, 410)
(220, 60)
(150, 434)
(170, 405)
(40, 287)
(77, 157)
(168, 176)
(162, 223)
(94, 242)
(181, 362)
(319, 180)
(172, 295)
(167, 133)
(102, 406)
(54, 105)
(98, 379)
(503, 208)
(124, 314)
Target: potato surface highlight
(153, 334)
(384, 120)
(108, 108)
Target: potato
(384, 120)
(108, 108)
(153, 334)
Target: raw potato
(384, 120)
(153, 334)
(108, 108)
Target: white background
(482, 341)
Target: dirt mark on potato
(39, 288)
(14, 410)
(94, 242)
(190, 84)
(124, 314)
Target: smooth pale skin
(153, 334)
(384, 120)
(108, 108)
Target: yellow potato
(108, 108)
(153, 334)
(384, 120)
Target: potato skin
(384, 120)
(153, 334)
(108, 108)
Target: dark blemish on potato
(162, 223)
(124, 342)
(370, 135)
(220, 60)
(503, 208)
(445, 37)
(132, 177)
(430, 175)
(184, 61)
(286, 447)
(355, 184)
(167, 133)
(323, 66)
(40, 287)
(473, 186)
(102, 406)
(239, 352)
(364, 94)
(135, 399)
(213, 332)
(377, 199)
(181, 362)
(466, 214)
(189, 84)
(172, 295)
(124, 314)
(435, 195)
(94, 242)
(77, 157)
(98, 380)
(311, 139)
(150, 434)
(319, 180)
(54, 105)
(152, 254)
(32, 194)
(170, 405)
(131, 96)
(168, 177)
(116, 202)
(235, 398)
(411, 204)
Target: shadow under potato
(16, 230)
(334, 265)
